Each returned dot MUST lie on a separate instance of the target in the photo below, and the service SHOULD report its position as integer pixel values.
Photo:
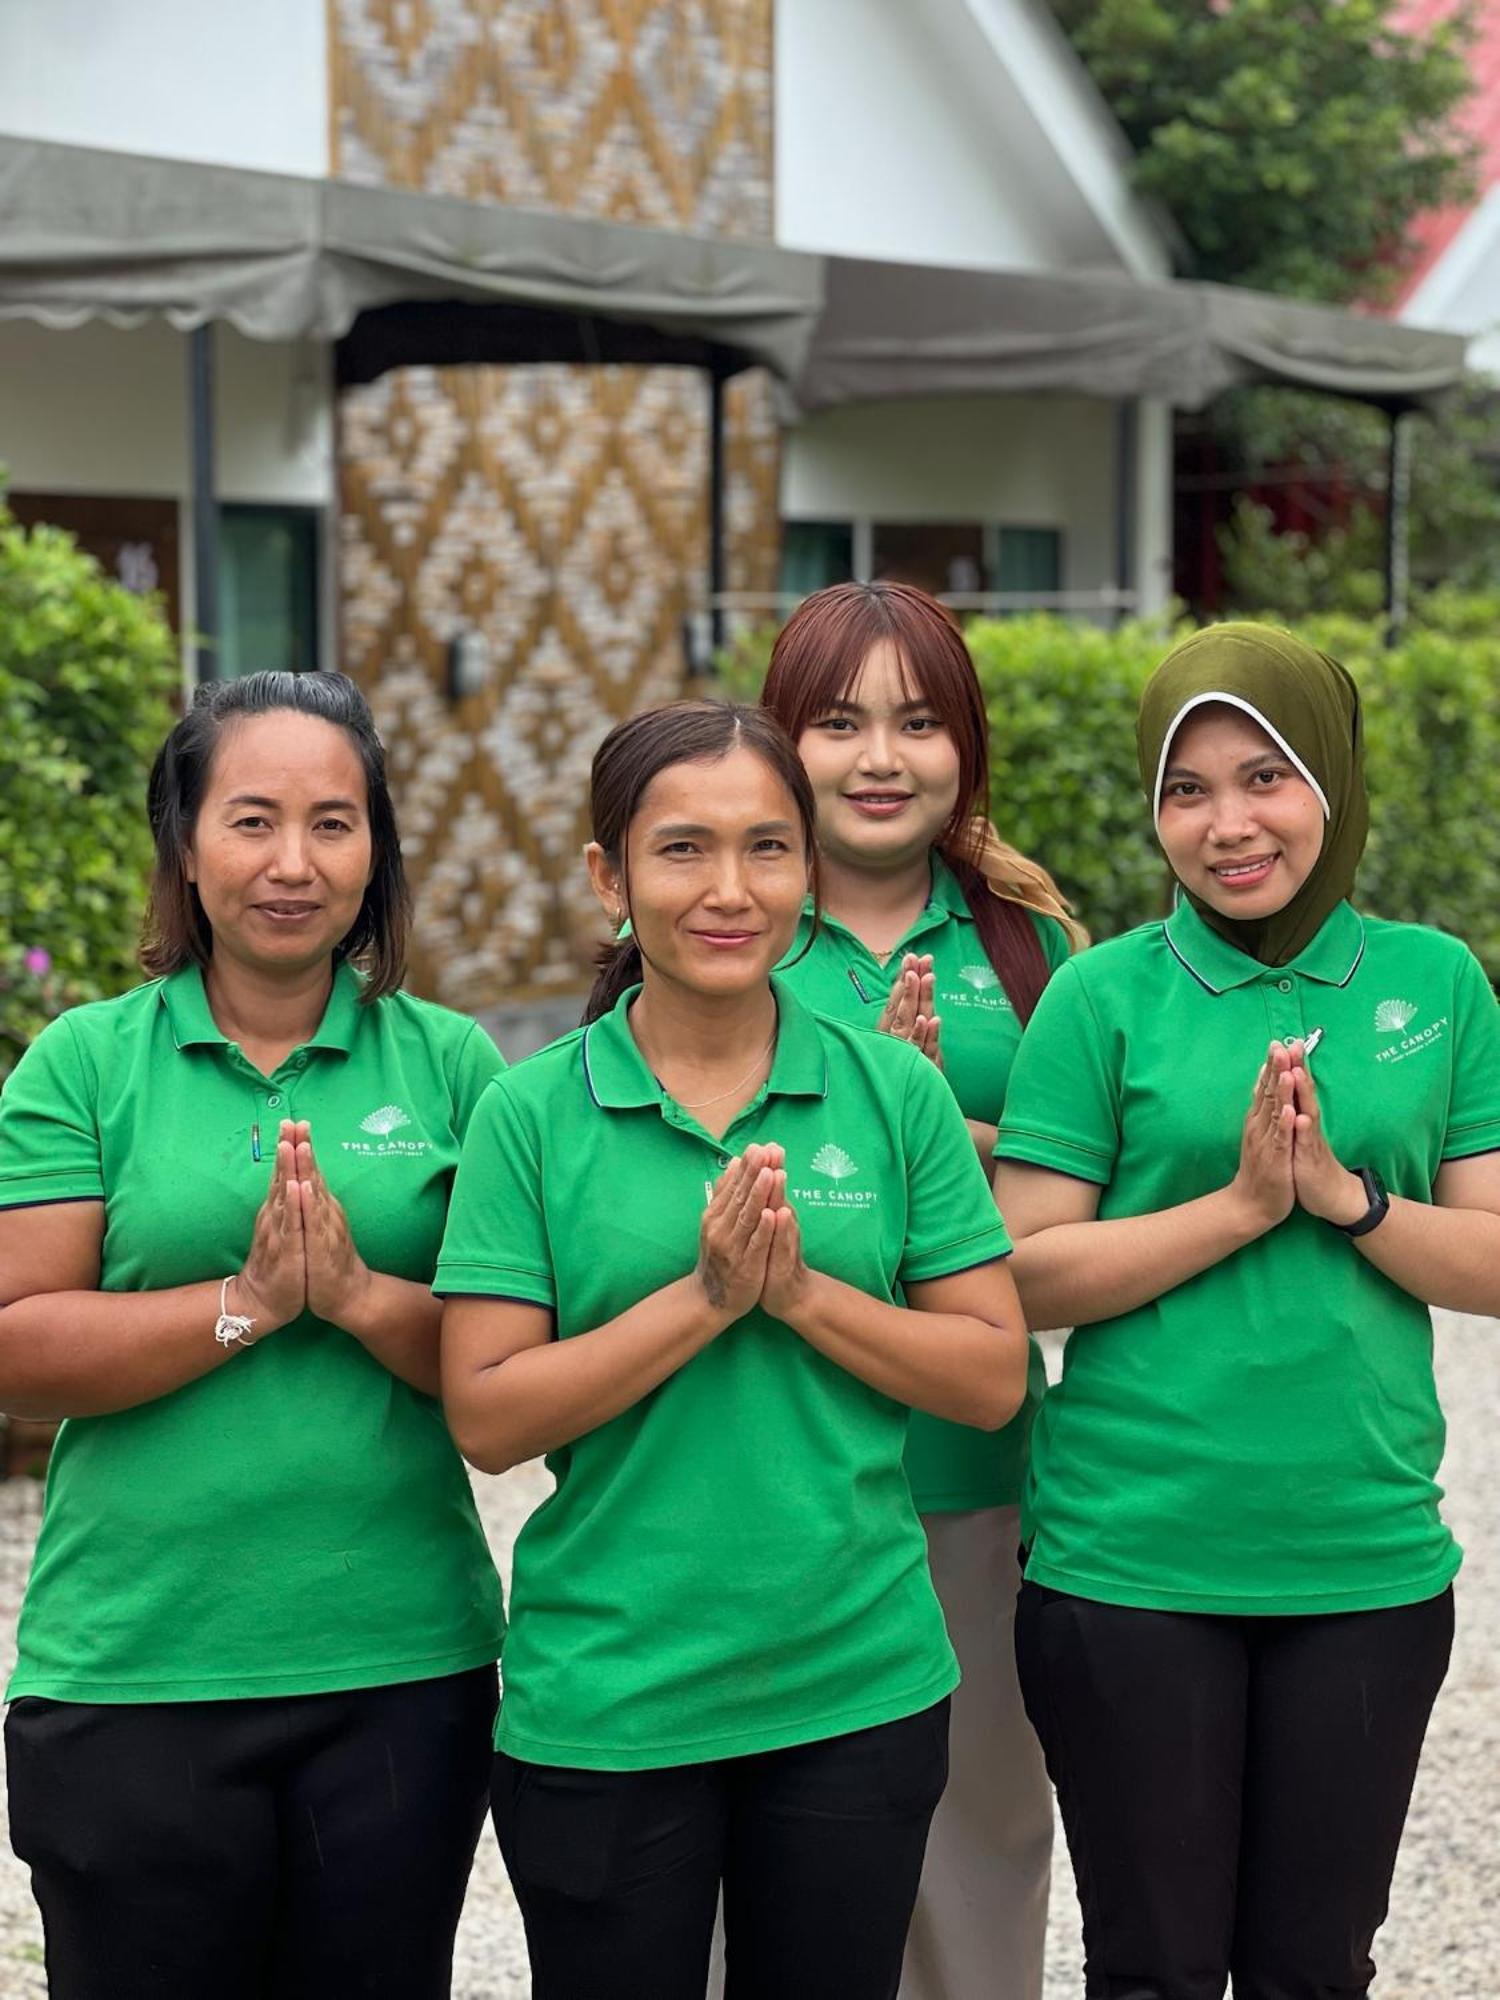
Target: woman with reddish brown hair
(936, 930)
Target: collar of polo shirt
(619, 1079)
(945, 895)
(1331, 958)
(193, 1024)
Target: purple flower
(38, 961)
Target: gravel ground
(1443, 1938)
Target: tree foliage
(87, 676)
(1454, 512)
(1292, 141)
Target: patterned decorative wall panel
(753, 484)
(560, 512)
(645, 110)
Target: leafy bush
(1291, 575)
(87, 676)
(1062, 699)
(1062, 703)
(1432, 720)
(1453, 527)
(742, 665)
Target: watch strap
(1379, 1204)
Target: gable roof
(1437, 231)
(968, 128)
(1070, 115)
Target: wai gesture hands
(908, 1014)
(302, 1254)
(749, 1245)
(1285, 1158)
(1325, 1187)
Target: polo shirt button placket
(1283, 1011)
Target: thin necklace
(729, 1088)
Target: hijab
(1309, 706)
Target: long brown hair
(640, 749)
(175, 932)
(814, 663)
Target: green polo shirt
(734, 1564)
(950, 1466)
(298, 1520)
(1265, 1437)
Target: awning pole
(205, 503)
(1127, 453)
(1397, 526)
(717, 565)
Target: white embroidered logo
(389, 1118)
(1395, 1017)
(978, 989)
(1391, 1016)
(835, 1165)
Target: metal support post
(1127, 459)
(1397, 526)
(204, 501)
(718, 569)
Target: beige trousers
(980, 1927)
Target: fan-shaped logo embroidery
(1391, 1016)
(983, 978)
(389, 1118)
(834, 1162)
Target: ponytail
(618, 968)
(1001, 885)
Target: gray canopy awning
(400, 277)
(87, 234)
(892, 330)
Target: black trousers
(818, 1848)
(295, 1848)
(1233, 1789)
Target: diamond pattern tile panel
(561, 512)
(652, 110)
(577, 562)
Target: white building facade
(560, 512)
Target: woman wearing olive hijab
(1238, 1609)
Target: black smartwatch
(1379, 1200)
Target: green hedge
(88, 673)
(1062, 699)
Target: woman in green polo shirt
(1238, 1609)
(673, 1258)
(248, 1737)
(875, 686)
